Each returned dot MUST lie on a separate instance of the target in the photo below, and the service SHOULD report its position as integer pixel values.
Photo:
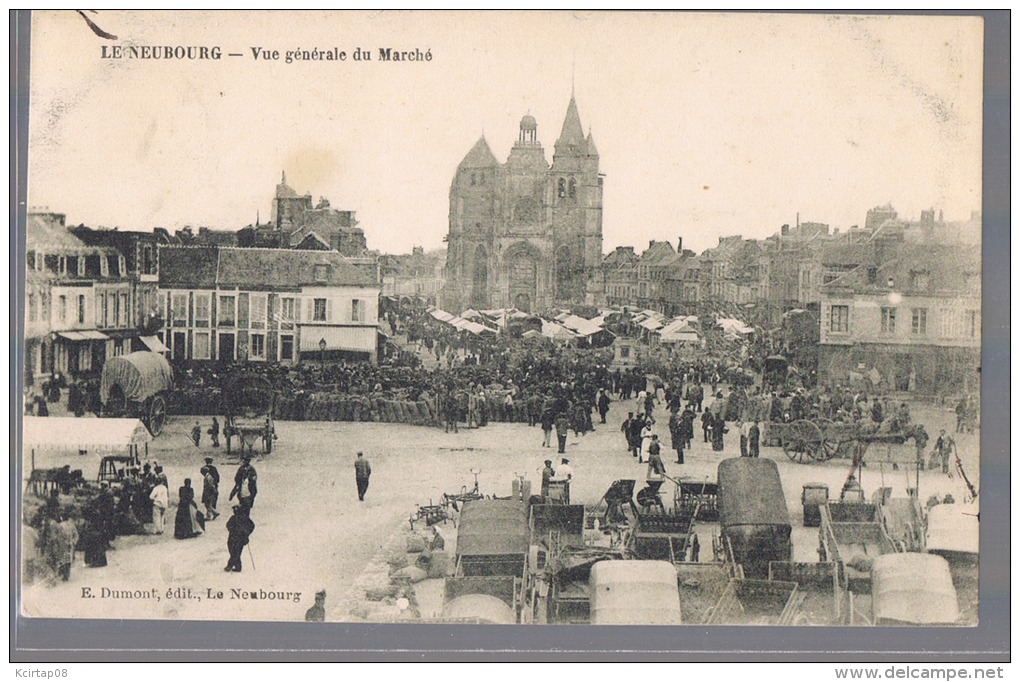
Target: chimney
(784, 230)
(679, 244)
(651, 243)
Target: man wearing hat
(239, 529)
(213, 470)
(245, 483)
(547, 475)
(565, 474)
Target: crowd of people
(81, 517)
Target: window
(972, 323)
(258, 311)
(319, 310)
(33, 308)
(321, 273)
(573, 188)
(94, 266)
(258, 346)
(201, 349)
(839, 319)
(148, 261)
(62, 308)
(81, 309)
(872, 275)
(203, 316)
(481, 178)
(124, 316)
(948, 326)
(888, 320)
(227, 314)
(113, 266)
(357, 311)
(287, 313)
(919, 321)
(179, 301)
(100, 310)
(71, 266)
(473, 179)
(561, 188)
(624, 351)
(919, 280)
(286, 347)
(118, 347)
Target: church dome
(529, 123)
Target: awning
(154, 344)
(339, 338)
(72, 433)
(90, 335)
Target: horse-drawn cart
(248, 401)
(822, 439)
(137, 385)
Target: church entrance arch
(480, 279)
(522, 275)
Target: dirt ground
(313, 534)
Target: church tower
(575, 196)
(473, 202)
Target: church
(525, 234)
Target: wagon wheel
(157, 415)
(831, 440)
(116, 403)
(802, 440)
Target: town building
(524, 233)
(263, 305)
(620, 272)
(79, 301)
(296, 223)
(906, 318)
(418, 274)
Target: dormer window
(321, 273)
(919, 280)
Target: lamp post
(322, 356)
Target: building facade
(267, 305)
(906, 319)
(79, 301)
(524, 233)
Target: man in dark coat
(214, 432)
(687, 426)
(625, 430)
(707, 422)
(239, 529)
(754, 438)
(676, 436)
(362, 472)
(637, 425)
(562, 428)
(245, 483)
(603, 405)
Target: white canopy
(74, 433)
(441, 315)
(556, 331)
(732, 326)
(651, 324)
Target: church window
(481, 178)
(473, 179)
(561, 188)
(573, 188)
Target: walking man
(362, 472)
(214, 433)
(562, 427)
(239, 530)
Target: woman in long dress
(188, 523)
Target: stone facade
(525, 234)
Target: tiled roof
(187, 267)
(286, 268)
(947, 269)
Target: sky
(708, 125)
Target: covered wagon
(138, 385)
(634, 593)
(753, 516)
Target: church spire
(572, 134)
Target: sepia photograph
(513, 318)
